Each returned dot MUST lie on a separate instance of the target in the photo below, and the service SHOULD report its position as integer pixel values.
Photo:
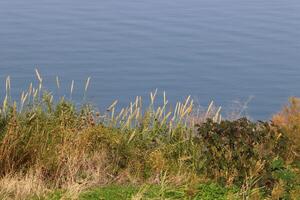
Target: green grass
(112, 192)
(151, 192)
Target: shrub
(289, 122)
(236, 150)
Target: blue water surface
(221, 50)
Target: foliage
(235, 150)
(289, 122)
(48, 144)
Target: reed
(63, 146)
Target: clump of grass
(69, 144)
(18, 186)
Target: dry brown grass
(21, 187)
(76, 175)
(289, 120)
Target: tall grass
(63, 144)
(59, 145)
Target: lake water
(212, 49)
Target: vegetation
(204, 191)
(52, 149)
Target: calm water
(212, 49)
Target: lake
(219, 50)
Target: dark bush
(234, 151)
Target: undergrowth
(49, 144)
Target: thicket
(58, 145)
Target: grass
(127, 192)
(52, 149)
(205, 192)
(110, 192)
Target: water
(212, 49)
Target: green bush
(236, 150)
